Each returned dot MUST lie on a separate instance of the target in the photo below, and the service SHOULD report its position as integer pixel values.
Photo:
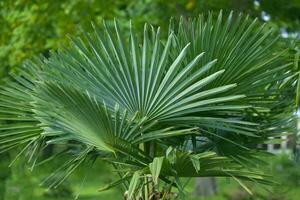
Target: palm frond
(207, 95)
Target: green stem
(146, 189)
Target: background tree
(32, 27)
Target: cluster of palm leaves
(195, 103)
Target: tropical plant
(32, 27)
(195, 104)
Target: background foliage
(30, 27)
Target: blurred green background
(31, 27)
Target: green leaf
(134, 184)
(115, 183)
(155, 168)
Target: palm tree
(194, 104)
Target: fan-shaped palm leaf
(213, 90)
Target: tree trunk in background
(205, 186)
